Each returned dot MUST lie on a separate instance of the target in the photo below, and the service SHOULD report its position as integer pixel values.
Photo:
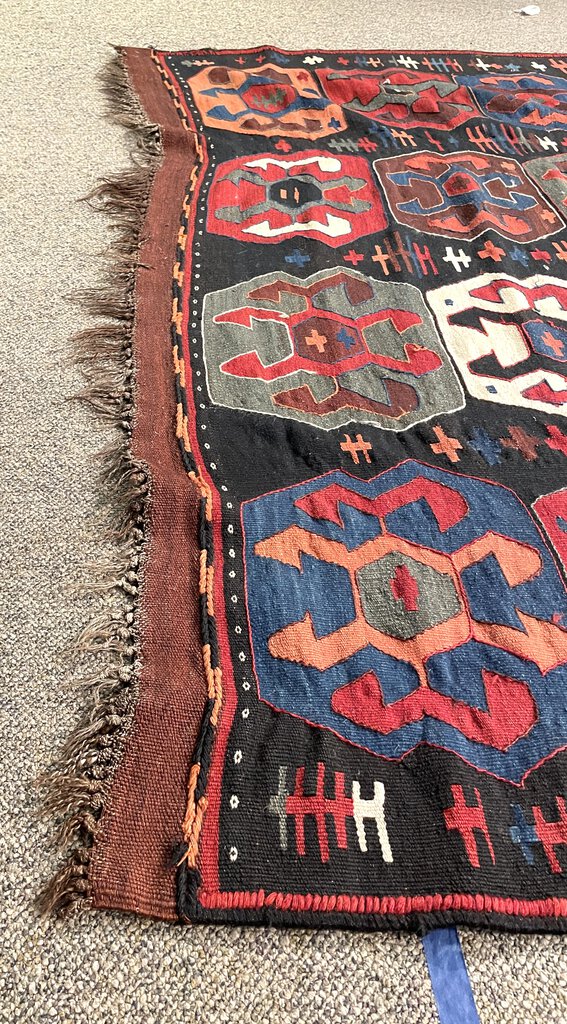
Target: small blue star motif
(346, 339)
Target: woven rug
(335, 354)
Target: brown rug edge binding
(76, 785)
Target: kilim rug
(336, 352)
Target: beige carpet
(108, 968)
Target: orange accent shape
(356, 448)
(448, 446)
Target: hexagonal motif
(327, 349)
(508, 337)
(420, 606)
(527, 100)
(266, 198)
(400, 98)
(267, 100)
(404, 596)
(462, 195)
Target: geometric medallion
(421, 606)
(526, 101)
(461, 195)
(508, 338)
(328, 349)
(265, 198)
(265, 101)
(400, 98)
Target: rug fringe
(75, 786)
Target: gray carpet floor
(110, 968)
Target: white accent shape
(334, 228)
(324, 163)
(459, 260)
(373, 809)
(407, 62)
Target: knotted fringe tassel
(77, 784)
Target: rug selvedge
(77, 783)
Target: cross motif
(317, 340)
(541, 255)
(491, 251)
(522, 442)
(550, 341)
(298, 257)
(480, 64)
(353, 257)
(459, 260)
(487, 447)
(448, 446)
(519, 256)
(346, 338)
(434, 142)
(357, 447)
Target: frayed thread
(76, 785)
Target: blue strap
(449, 977)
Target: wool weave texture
(335, 351)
